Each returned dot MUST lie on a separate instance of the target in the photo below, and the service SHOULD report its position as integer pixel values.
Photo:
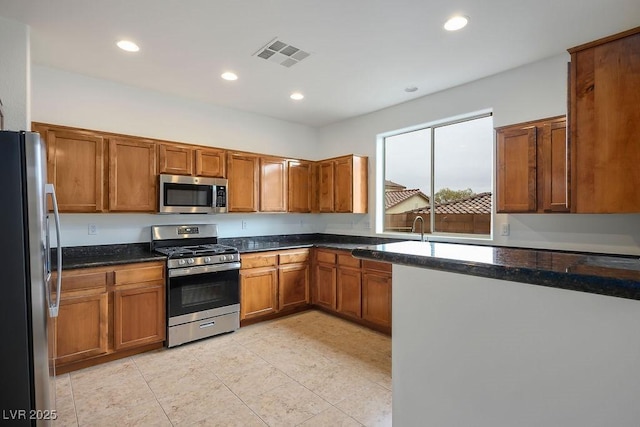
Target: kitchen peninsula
(502, 336)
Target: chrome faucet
(413, 227)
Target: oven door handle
(201, 269)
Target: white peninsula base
(479, 352)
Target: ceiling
(363, 53)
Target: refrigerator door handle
(53, 308)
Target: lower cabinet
(360, 290)
(376, 296)
(107, 310)
(273, 282)
(82, 327)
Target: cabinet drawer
(326, 257)
(346, 260)
(292, 257)
(139, 273)
(376, 265)
(78, 281)
(259, 260)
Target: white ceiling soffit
(364, 53)
(281, 53)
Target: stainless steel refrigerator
(28, 298)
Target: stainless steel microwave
(192, 194)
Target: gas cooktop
(196, 250)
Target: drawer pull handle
(207, 325)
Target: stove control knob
(182, 262)
(207, 260)
(190, 261)
(223, 258)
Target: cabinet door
(258, 287)
(293, 285)
(243, 172)
(300, 186)
(273, 184)
(139, 316)
(75, 166)
(349, 291)
(555, 167)
(516, 171)
(325, 289)
(376, 298)
(325, 186)
(605, 117)
(132, 175)
(176, 160)
(211, 163)
(343, 186)
(82, 327)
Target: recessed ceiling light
(411, 88)
(456, 23)
(296, 96)
(128, 45)
(229, 76)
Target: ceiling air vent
(281, 53)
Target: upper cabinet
(604, 114)
(132, 175)
(300, 185)
(97, 171)
(211, 162)
(76, 167)
(325, 186)
(175, 159)
(243, 174)
(343, 184)
(273, 184)
(532, 167)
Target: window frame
(381, 174)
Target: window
(444, 168)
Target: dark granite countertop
(617, 276)
(102, 255)
(293, 241)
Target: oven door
(203, 288)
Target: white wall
(472, 351)
(530, 92)
(14, 74)
(65, 98)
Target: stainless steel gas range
(203, 290)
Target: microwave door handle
(53, 308)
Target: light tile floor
(307, 369)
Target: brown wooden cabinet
(325, 186)
(82, 327)
(272, 282)
(175, 159)
(293, 278)
(349, 285)
(376, 292)
(132, 175)
(139, 306)
(273, 184)
(109, 312)
(211, 162)
(258, 285)
(343, 184)
(604, 114)
(76, 167)
(532, 167)
(354, 289)
(300, 185)
(243, 174)
(324, 289)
